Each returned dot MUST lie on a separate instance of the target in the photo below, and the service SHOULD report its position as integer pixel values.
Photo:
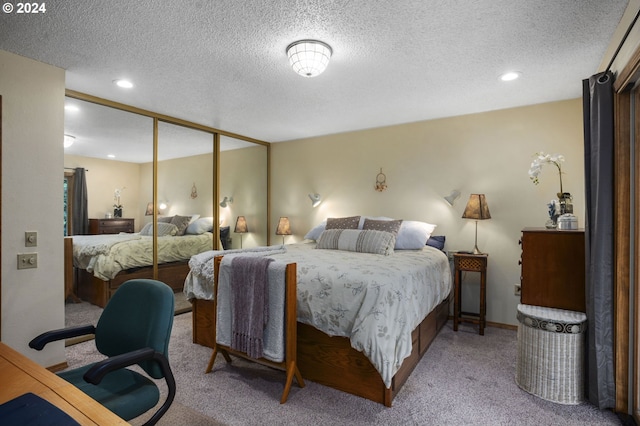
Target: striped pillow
(362, 241)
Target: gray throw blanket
(249, 295)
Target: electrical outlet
(28, 261)
(31, 239)
(516, 289)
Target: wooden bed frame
(332, 361)
(98, 292)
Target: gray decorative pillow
(164, 229)
(181, 222)
(392, 226)
(358, 240)
(165, 219)
(343, 222)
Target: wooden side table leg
(483, 301)
(456, 302)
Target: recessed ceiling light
(71, 108)
(510, 76)
(125, 84)
(111, 156)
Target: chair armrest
(39, 342)
(96, 373)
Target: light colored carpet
(463, 379)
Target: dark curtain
(80, 216)
(599, 232)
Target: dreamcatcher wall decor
(194, 191)
(381, 181)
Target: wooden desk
(473, 263)
(21, 375)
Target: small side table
(471, 263)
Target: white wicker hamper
(550, 360)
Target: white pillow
(314, 234)
(200, 226)
(164, 229)
(413, 235)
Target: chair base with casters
(133, 329)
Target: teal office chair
(134, 328)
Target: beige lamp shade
(477, 209)
(241, 226)
(283, 227)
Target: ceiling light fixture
(68, 140)
(125, 84)
(510, 76)
(71, 108)
(309, 58)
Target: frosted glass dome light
(309, 58)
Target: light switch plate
(28, 261)
(31, 239)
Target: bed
(364, 319)
(103, 262)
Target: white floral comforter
(375, 301)
(106, 255)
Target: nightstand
(467, 262)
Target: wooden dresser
(553, 268)
(110, 226)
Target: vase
(566, 203)
(117, 212)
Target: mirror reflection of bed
(186, 181)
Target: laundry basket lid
(552, 319)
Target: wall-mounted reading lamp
(316, 199)
(226, 201)
(452, 197)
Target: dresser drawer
(110, 226)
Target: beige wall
(176, 179)
(32, 133)
(486, 153)
(243, 176)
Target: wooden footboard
(332, 361)
(98, 292)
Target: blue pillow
(436, 241)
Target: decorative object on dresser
(564, 204)
(284, 228)
(477, 209)
(468, 262)
(553, 268)
(114, 225)
(117, 206)
(241, 227)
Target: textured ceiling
(223, 64)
